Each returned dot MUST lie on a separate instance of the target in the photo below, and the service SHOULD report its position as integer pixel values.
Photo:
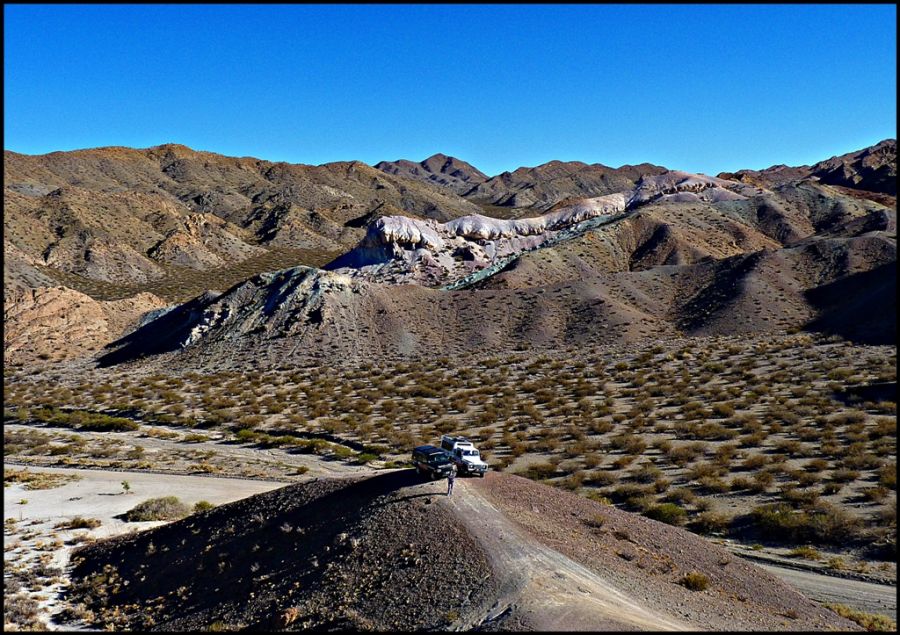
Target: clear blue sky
(695, 87)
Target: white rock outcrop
(398, 249)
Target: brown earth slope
(390, 552)
(440, 169)
(543, 186)
(872, 170)
(543, 299)
(114, 222)
(118, 213)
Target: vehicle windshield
(470, 452)
(438, 459)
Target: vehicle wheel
(481, 475)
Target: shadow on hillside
(240, 562)
(162, 335)
(861, 307)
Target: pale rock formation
(400, 249)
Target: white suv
(464, 454)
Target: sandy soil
(99, 495)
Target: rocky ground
(392, 552)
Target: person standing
(450, 478)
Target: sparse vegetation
(695, 581)
(163, 508)
(869, 621)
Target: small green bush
(203, 506)
(668, 513)
(539, 471)
(695, 581)
(710, 522)
(164, 508)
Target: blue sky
(694, 87)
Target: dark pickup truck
(432, 462)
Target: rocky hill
(390, 552)
(872, 170)
(449, 172)
(672, 253)
(543, 186)
(544, 298)
(121, 214)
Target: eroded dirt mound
(54, 323)
(633, 563)
(391, 552)
(376, 553)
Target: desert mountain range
(345, 260)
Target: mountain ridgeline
(275, 261)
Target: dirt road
(541, 588)
(863, 596)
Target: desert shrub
(681, 495)
(753, 439)
(695, 581)
(874, 494)
(592, 459)
(84, 420)
(799, 498)
(725, 454)
(703, 470)
(712, 484)
(816, 465)
(203, 506)
(646, 473)
(628, 443)
(823, 523)
(844, 475)
(681, 455)
(539, 471)
(710, 522)
(762, 481)
(723, 410)
(805, 552)
(599, 498)
(887, 476)
(600, 478)
(574, 480)
(869, 621)
(79, 523)
(632, 496)
(23, 611)
(623, 461)
(163, 508)
(668, 513)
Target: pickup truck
(464, 454)
(432, 462)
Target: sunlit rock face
(680, 186)
(422, 251)
(398, 249)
